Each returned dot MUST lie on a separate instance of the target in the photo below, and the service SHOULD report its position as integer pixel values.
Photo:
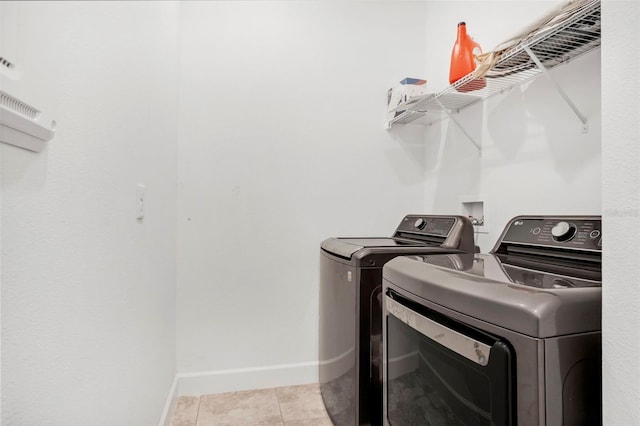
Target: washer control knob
(563, 231)
(420, 223)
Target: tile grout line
(279, 407)
(198, 410)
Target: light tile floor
(286, 406)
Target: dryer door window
(442, 372)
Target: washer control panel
(428, 225)
(580, 233)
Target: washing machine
(512, 337)
(351, 311)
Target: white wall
(282, 145)
(88, 293)
(621, 211)
(534, 157)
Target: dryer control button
(420, 223)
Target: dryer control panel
(560, 232)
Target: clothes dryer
(507, 338)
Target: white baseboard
(170, 404)
(208, 382)
(237, 379)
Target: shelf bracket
(545, 71)
(452, 118)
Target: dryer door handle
(465, 346)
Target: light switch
(140, 202)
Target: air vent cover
(6, 63)
(16, 105)
(20, 124)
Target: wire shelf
(554, 44)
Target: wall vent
(16, 105)
(6, 63)
(22, 125)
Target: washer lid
(346, 247)
(478, 286)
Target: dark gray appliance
(351, 311)
(507, 338)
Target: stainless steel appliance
(507, 338)
(351, 312)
